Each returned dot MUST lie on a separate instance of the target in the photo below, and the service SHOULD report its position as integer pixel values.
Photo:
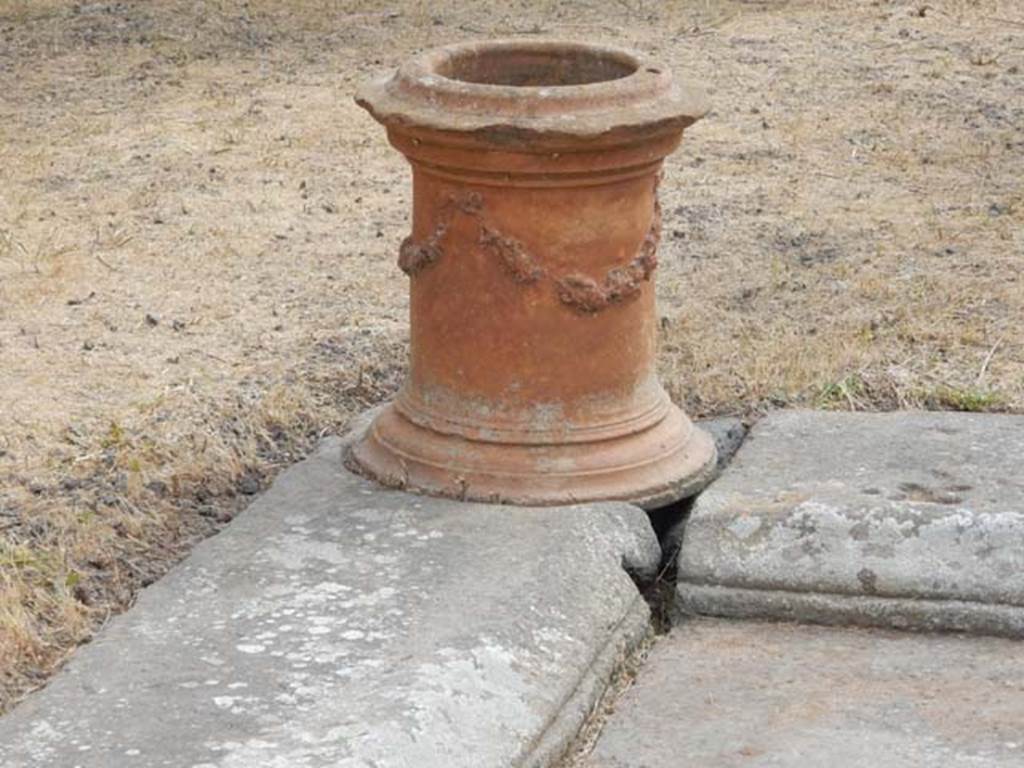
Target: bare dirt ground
(198, 234)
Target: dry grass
(851, 233)
(198, 231)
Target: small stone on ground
(718, 694)
(728, 433)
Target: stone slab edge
(918, 614)
(561, 733)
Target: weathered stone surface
(907, 519)
(718, 694)
(337, 624)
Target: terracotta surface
(531, 262)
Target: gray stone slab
(908, 519)
(337, 624)
(718, 694)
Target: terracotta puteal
(532, 257)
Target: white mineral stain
(744, 527)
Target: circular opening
(526, 67)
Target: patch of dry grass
(198, 227)
(860, 234)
